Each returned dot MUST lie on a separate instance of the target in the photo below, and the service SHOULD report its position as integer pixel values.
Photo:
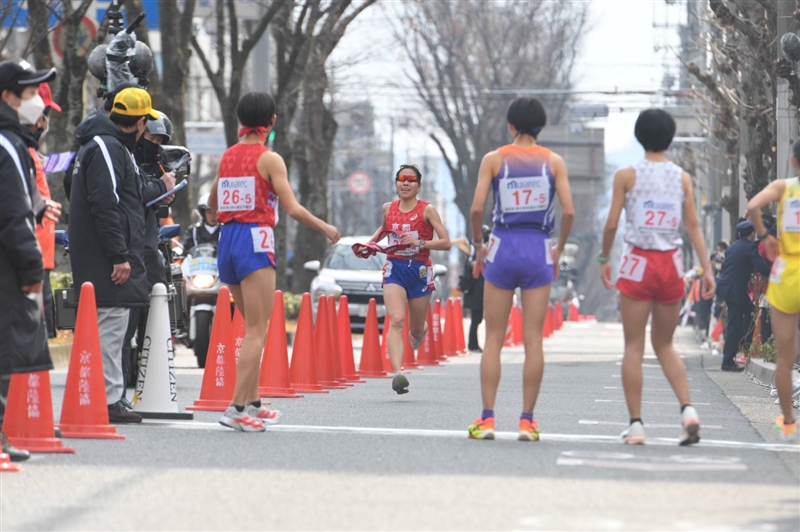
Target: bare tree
(465, 68)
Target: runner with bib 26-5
(525, 178)
(657, 196)
(250, 182)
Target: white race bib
(491, 250)
(394, 240)
(777, 270)
(548, 251)
(632, 267)
(677, 257)
(791, 216)
(263, 239)
(236, 194)
(657, 216)
(524, 194)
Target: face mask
(147, 152)
(30, 110)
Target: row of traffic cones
(553, 321)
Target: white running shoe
(691, 426)
(241, 421)
(269, 417)
(634, 435)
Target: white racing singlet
(654, 207)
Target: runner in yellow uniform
(784, 282)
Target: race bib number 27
(236, 194)
(632, 267)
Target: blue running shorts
(519, 258)
(244, 248)
(415, 277)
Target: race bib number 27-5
(658, 216)
(236, 194)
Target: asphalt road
(366, 459)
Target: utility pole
(786, 118)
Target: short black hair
(722, 244)
(655, 129)
(527, 115)
(409, 167)
(255, 109)
(796, 150)
(125, 120)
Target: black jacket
(740, 259)
(23, 336)
(153, 188)
(106, 218)
(198, 234)
(472, 288)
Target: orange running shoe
(482, 429)
(528, 430)
(788, 431)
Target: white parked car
(342, 273)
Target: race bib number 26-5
(236, 194)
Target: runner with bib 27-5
(407, 273)
(657, 196)
(783, 292)
(525, 178)
(249, 183)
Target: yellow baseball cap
(134, 102)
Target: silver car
(342, 273)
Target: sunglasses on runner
(407, 178)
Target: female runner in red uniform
(407, 273)
(249, 183)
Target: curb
(760, 370)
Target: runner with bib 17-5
(407, 273)
(525, 179)
(783, 292)
(249, 183)
(658, 197)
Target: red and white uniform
(409, 223)
(242, 194)
(651, 268)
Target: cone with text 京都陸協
(449, 340)
(461, 344)
(238, 330)
(427, 350)
(517, 324)
(28, 421)
(508, 341)
(219, 376)
(438, 336)
(84, 411)
(387, 362)
(322, 348)
(346, 342)
(274, 378)
(547, 330)
(333, 330)
(303, 370)
(371, 364)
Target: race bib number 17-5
(525, 194)
(236, 194)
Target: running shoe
(528, 430)
(400, 383)
(268, 417)
(634, 435)
(788, 432)
(482, 429)
(241, 421)
(691, 426)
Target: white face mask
(30, 110)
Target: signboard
(86, 32)
(359, 183)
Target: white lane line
(620, 376)
(461, 434)
(648, 466)
(648, 402)
(645, 365)
(648, 389)
(649, 425)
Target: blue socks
(487, 414)
(527, 415)
(490, 413)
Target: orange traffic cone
(510, 341)
(274, 378)
(559, 315)
(573, 311)
(547, 331)
(7, 466)
(449, 342)
(333, 329)
(717, 332)
(581, 317)
(303, 371)
(371, 364)
(28, 422)
(427, 351)
(409, 357)
(219, 376)
(84, 412)
(461, 344)
(346, 342)
(517, 326)
(322, 345)
(387, 362)
(437, 331)
(238, 330)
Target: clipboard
(170, 193)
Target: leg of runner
(634, 324)
(417, 319)
(395, 299)
(534, 310)
(665, 319)
(785, 330)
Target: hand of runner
(331, 233)
(409, 240)
(556, 254)
(771, 247)
(480, 256)
(709, 284)
(605, 275)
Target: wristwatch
(421, 243)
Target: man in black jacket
(23, 335)
(107, 229)
(740, 259)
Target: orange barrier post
(333, 330)
(409, 356)
(371, 364)
(437, 331)
(84, 412)
(219, 376)
(303, 371)
(461, 344)
(28, 422)
(274, 378)
(322, 348)
(346, 342)
(449, 342)
(427, 351)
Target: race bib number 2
(632, 267)
(236, 194)
(263, 239)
